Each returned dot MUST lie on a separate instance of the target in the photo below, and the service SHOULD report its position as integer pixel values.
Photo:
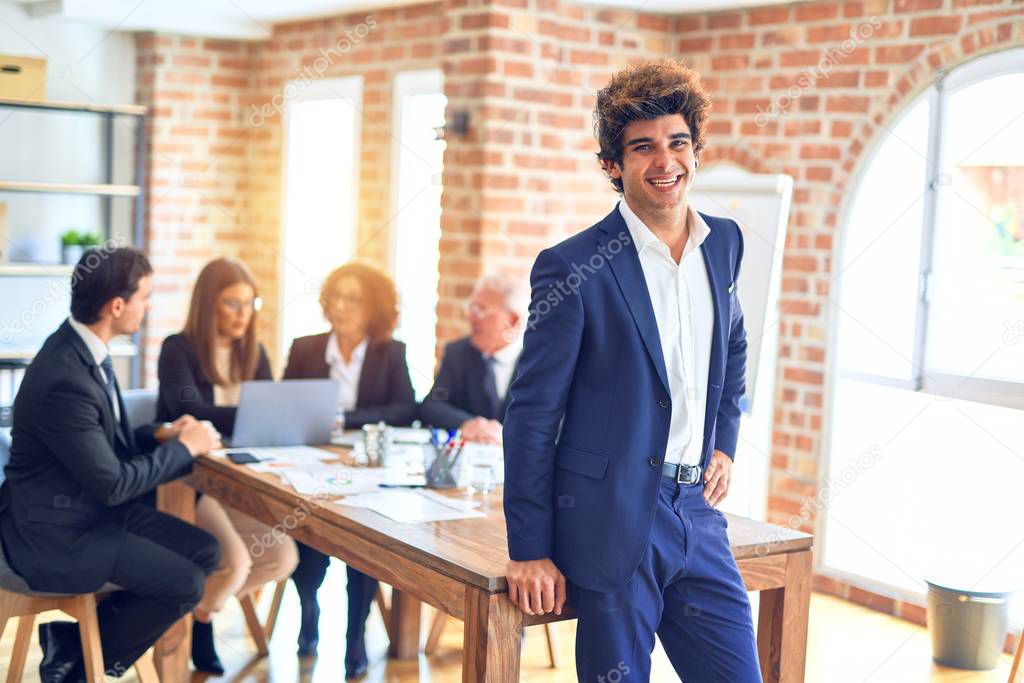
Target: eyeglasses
(349, 300)
(472, 310)
(238, 305)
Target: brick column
(195, 201)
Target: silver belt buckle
(692, 474)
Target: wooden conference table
(458, 567)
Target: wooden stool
(1017, 659)
(262, 632)
(80, 607)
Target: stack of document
(414, 506)
(315, 472)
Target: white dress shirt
(346, 373)
(504, 365)
(99, 350)
(681, 296)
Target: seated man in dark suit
(70, 515)
(471, 388)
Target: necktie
(491, 386)
(108, 373)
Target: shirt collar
(333, 356)
(97, 348)
(508, 354)
(644, 238)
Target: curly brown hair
(379, 297)
(648, 91)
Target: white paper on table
(333, 481)
(407, 507)
(299, 455)
(305, 483)
(454, 503)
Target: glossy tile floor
(847, 644)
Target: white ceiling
(253, 19)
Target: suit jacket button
(653, 462)
(663, 403)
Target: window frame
(996, 392)
(349, 89)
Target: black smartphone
(242, 457)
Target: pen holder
(440, 473)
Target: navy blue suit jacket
(588, 421)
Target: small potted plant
(73, 245)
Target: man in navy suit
(624, 415)
(470, 392)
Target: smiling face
(657, 164)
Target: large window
(417, 159)
(926, 453)
(321, 173)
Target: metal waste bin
(968, 627)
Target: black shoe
(309, 627)
(355, 674)
(62, 653)
(204, 654)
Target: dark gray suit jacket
(458, 392)
(385, 390)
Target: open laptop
(292, 412)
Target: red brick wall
(821, 138)
(197, 182)
(374, 45)
(525, 176)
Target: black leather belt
(682, 474)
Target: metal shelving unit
(107, 190)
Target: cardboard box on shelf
(22, 78)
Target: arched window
(926, 445)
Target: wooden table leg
(173, 651)
(782, 623)
(491, 638)
(404, 615)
